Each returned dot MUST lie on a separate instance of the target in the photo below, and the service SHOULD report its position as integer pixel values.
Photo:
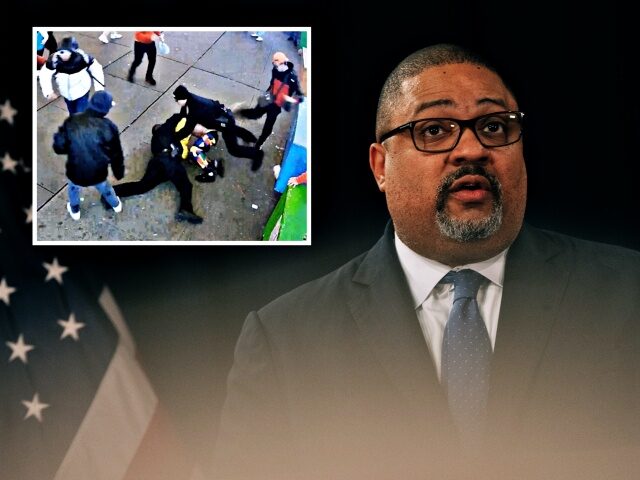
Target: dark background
(570, 67)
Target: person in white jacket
(75, 71)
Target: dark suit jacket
(335, 380)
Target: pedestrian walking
(283, 92)
(106, 35)
(145, 43)
(75, 72)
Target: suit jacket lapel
(382, 307)
(535, 280)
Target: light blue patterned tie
(466, 357)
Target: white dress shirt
(433, 300)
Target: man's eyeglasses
(437, 135)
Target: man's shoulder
(584, 253)
(85, 57)
(328, 302)
(95, 121)
(332, 287)
(112, 125)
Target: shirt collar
(423, 274)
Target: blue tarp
(294, 163)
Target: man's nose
(469, 148)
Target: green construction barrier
(288, 221)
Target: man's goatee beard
(468, 230)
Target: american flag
(74, 400)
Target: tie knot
(465, 283)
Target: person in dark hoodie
(91, 142)
(204, 113)
(165, 165)
(284, 91)
(75, 71)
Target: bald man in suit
(348, 376)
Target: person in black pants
(282, 88)
(212, 114)
(165, 165)
(144, 43)
(51, 44)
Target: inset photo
(172, 136)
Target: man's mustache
(445, 184)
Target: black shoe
(206, 177)
(150, 80)
(130, 77)
(257, 161)
(186, 215)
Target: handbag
(265, 99)
(163, 48)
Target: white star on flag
(70, 327)
(54, 269)
(5, 291)
(34, 408)
(19, 349)
(7, 112)
(9, 163)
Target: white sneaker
(115, 36)
(276, 171)
(254, 35)
(103, 38)
(74, 215)
(259, 39)
(118, 208)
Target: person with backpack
(75, 72)
(283, 92)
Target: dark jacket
(91, 142)
(335, 379)
(78, 61)
(208, 113)
(165, 147)
(166, 137)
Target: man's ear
(377, 159)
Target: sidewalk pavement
(230, 67)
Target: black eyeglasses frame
(464, 124)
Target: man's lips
(471, 189)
